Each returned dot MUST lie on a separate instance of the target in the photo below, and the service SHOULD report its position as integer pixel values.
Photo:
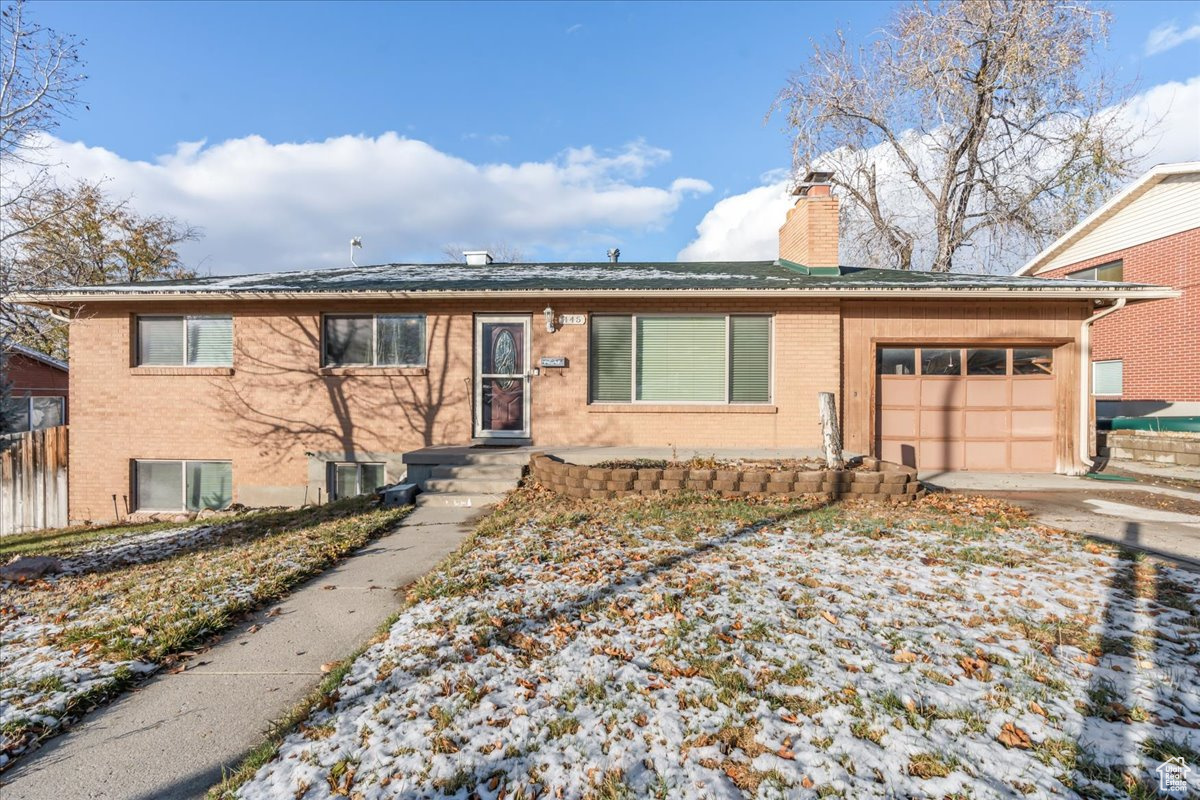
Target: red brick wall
(32, 377)
(1158, 341)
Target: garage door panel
(899, 421)
(941, 454)
(939, 423)
(1033, 392)
(899, 391)
(987, 456)
(1037, 423)
(987, 392)
(1034, 456)
(942, 392)
(986, 424)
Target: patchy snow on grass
(124, 602)
(922, 653)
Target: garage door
(966, 408)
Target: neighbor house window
(1112, 271)
(23, 414)
(193, 341)
(1108, 377)
(680, 358)
(352, 479)
(374, 340)
(182, 485)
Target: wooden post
(830, 435)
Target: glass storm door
(502, 377)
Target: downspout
(1085, 379)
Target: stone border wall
(1160, 447)
(881, 481)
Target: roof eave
(67, 299)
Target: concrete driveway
(1160, 520)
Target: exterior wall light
(548, 313)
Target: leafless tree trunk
(977, 124)
(831, 436)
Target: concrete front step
(470, 485)
(511, 472)
(484, 457)
(458, 499)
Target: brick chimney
(809, 235)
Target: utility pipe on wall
(1085, 379)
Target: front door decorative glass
(502, 387)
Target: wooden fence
(33, 481)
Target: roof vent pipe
(614, 255)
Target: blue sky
(594, 92)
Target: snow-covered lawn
(125, 600)
(694, 647)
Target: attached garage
(988, 408)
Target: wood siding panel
(868, 324)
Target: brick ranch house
(38, 385)
(1145, 358)
(269, 389)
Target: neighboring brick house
(1146, 358)
(38, 387)
(277, 388)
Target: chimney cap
(812, 178)
(477, 257)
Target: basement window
(373, 340)
(193, 341)
(182, 485)
(354, 478)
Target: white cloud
(266, 206)
(746, 225)
(1168, 36)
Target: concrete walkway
(173, 736)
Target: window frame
(183, 321)
(331, 476)
(28, 401)
(633, 359)
(1092, 273)
(183, 468)
(1120, 393)
(374, 364)
(963, 351)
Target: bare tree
(78, 236)
(501, 251)
(968, 124)
(40, 74)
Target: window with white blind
(1108, 377)
(191, 341)
(373, 340)
(680, 358)
(182, 485)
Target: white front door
(502, 376)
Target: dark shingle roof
(654, 276)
